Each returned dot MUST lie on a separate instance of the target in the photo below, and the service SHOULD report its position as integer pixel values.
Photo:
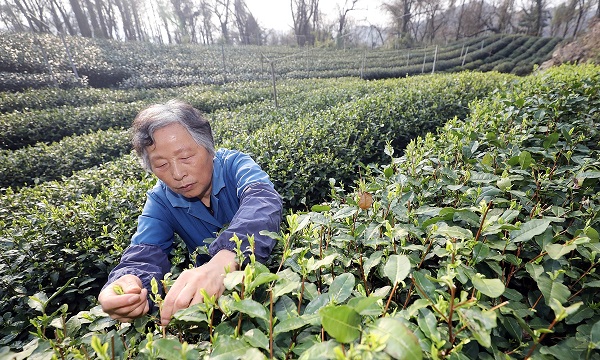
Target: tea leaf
(397, 268)
(530, 229)
(341, 322)
(250, 307)
(341, 288)
(401, 342)
(490, 287)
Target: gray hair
(158, 116)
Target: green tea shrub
(21, 129)
(17, 203)
(136, 65)
(505, 67)
(24, 81)
(337, 140)
(313, 143)
(40, 163)
(480, 242)
(522, 70)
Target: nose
(177, 172)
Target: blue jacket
(243, 200)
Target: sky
(276, 14)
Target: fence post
(274, 83)
(362, 66)
(223, 57)
(62, 37)
(434, 59)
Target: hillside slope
(580, 50)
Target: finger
(136, 313)
(168, 304)
(140, 310)
(198, 298)
(131, 285)
(122, 305)
(181, 299)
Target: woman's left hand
(186, 289)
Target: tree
(562, 19)
(401, 13)
(207, 25)
(10, 19)
(581, 8)
(63, 20)
(473, 23)
(249, 32)
(221, 10)
(187, 13)
(81, 18)
(457, 13)
(342, 20)
(303, 14)
(35, 14)
(432, 9)
(534, 18)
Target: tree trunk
(101, 19)
(138, 26)
(580, 15)
(302, 14)
(126, 18)
(82, 22)
(65, 18)
(12, 19)
(539, 21)
(35, 24)
(93, 19)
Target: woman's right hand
(128, 304)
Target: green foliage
(355, 132)
(19, 129)
(136, 65)
(481, 241)
(43, 162)
(15, 203)
(111, 110)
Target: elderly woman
(199, 193)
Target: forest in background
(411, 22)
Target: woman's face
(181, 163)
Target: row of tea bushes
(300, 153)
(110, 109)
(49, 98)
(144, 65)
(480, 243)
(498, 215)
(18, 130)
(17, 203)
(39, 163)
(42, 162)
(334, 143)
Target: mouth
(185, 188)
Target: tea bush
(355, 133)
(17, 203)
(40, 163)
(480, 242)
(302, 146)
(134, 65)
